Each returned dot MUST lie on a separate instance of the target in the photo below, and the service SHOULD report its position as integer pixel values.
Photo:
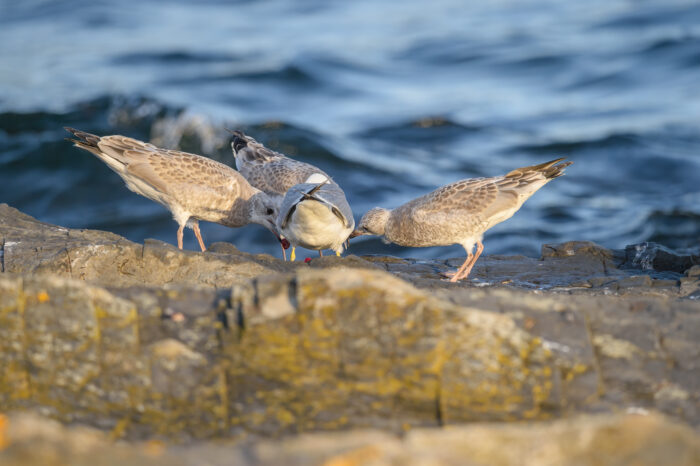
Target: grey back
(327, 193)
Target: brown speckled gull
(192, 187)
(459, 213)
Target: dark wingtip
(557, 170)
(83, 137)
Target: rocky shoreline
(147, 342)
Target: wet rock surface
(145, 341)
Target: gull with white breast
(318, 218)
(459, 213)
(316, 215)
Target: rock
(333, 348)
(323, 349)
(349, 261)
(577, 248)
(27, 440)
(690, 287)
(100, 258)
(653, 256)
(30, 246)
(146, 340)
(635, 281)
(583, 440)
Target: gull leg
(467, 271)
(284, 252)
(195, 227)
(294, 254)
(179, 236)
(455, 276)
(337, 253)
(320, 253)
(464, 265)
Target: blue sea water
(391, 98)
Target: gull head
(264, 210)
(239, 141)
(372, 223)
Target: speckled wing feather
(203, 186)
(471, 197)
(156, 165)
(487, 197)
(469, 207)
(461, 206)
(267, 170)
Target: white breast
(314, 226)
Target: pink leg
(455, 276)
(320, 253)
(284, 252)
(465, 273)
(195, 227)
(179, 236)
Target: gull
(316, 215)
(190, 186)
(267, 170)
(459, 213)
(276, 174)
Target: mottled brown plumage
(192, 187)
(460, 213)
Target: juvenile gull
(459, 213)
(317, 222)
(267, 170)
(316, 215)
(192, 187)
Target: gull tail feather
(552, 169)
(84, 140)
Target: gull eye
(270, 211)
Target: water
(391, 98)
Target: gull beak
(355, 233)
(283, 241)
(272, 227)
